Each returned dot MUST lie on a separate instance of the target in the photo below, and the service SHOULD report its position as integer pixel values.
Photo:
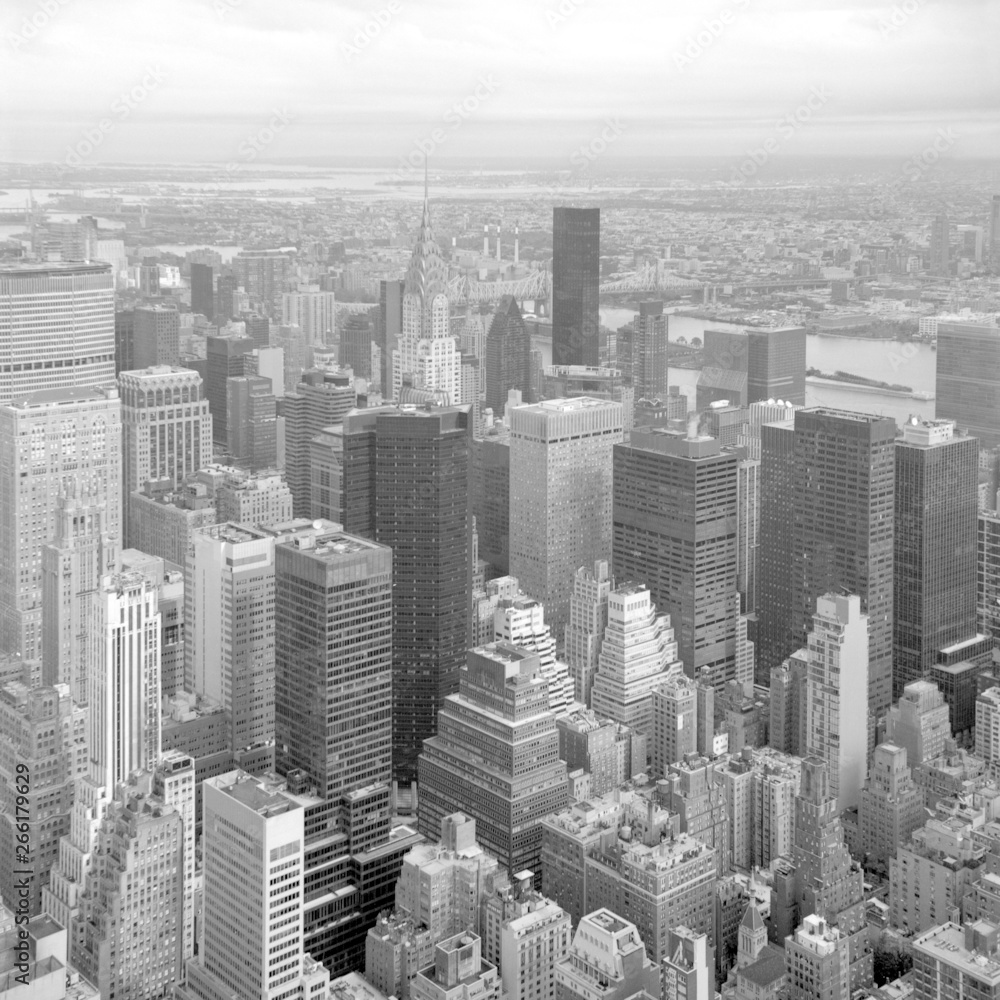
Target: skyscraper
(968, 379)
(313, 310)
(939, 260)
(54, 443)
(254, 867)
(252, 425)
(675, 522)
(390, 326)
(333, 663)
(576, 276)
(588, 618)
(427, 356)
(496, 756)
(224, 360)
(203, 290)
(166, 427)
(836, 723)
(320, 400)
(934, 548)
(642, 352)
(156, 337)
(772, 358)
(229, 641)
(57, 327)
(891, 805)
(560, 495)
(836, 487)
(265, 274)
(407, 486)
(82, 552)
(508, 356)
(638, 654)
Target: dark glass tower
(224, 360)
(390, 326)
(576, 275)
(203, 290)
(675, 520)
(968, 379)
(508, 356)
(412, 469)
(773, 360)
(934, 562)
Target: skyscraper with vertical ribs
(508, 356)
(427, 356)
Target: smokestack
(498, 241)
(486, 241)
(516, 241)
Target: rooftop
(946, 943)
(256, 795)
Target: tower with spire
(427, 357)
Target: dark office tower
(320, 400)
(934, 562)
(940, 247)
(778, 630)
(390, 326)
(508, 356)
(258, 329)
(225, 287)
(421, 499)
(149, 278)
(356, 345)
(968, 379)
(842, 527)
(491, 500)
(224, 360)
(252, 423)
(333, 657)
(156, 339)
(773, 361)
(994, 233)
(203, 290)
(675, 523)
(576, 276)
(642, 352)
(124, 337)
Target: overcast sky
(193, 80)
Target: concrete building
(967, 389)
(166, 428)
(571, 381)
(918, 722)
(572, 835)
(313, 310)
(988, 725)
(459, 972)
(836, 727)
(951, 962)
(655, 543)
(608, 752)
(224, 359)
(396, 949)
(891, 805)
(333, 657)
(817, 957)
(607, 958)
(696, 792)
(675, 727)
(260, 498)
(638, 654)
(687, 969)
(163, 518)
(929, 875)
(251, 422)
(254, 842)
(588, 620)
(789, 708)
(44, 734)
(59, 442)
(561, 496)
(58, 327)
(496, 756)
(642, 352)
(156, 336)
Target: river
(887, 360)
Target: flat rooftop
(257, 796)
(947, 944)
